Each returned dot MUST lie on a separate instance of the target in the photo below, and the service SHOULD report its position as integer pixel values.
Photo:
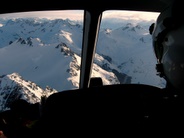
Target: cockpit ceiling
(91, 5)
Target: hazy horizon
(78, 15)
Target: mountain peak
(13, 87)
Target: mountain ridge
(36, 48)
(13, 86)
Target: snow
(40, 61)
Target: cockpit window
(40, 50)
(124, 53)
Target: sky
(127, 15)
(73, 15)
(78, 15)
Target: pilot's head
(168, 43)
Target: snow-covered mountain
(13, 86)
(40, 56)
(129, 48)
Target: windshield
(40, 52)
(124, 53)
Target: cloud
(71, 14)
(129, 15)
(78, 15)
